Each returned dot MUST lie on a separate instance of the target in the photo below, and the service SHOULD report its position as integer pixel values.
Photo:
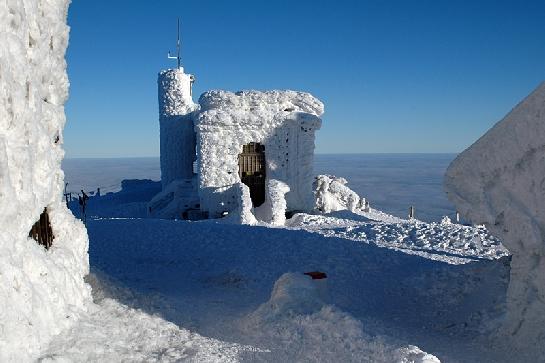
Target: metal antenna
(178, 48)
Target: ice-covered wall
(41, 291)
(176, 125)
(283, 121)
(500, 181)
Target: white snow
(42, 292)
(273, 211)
(499, 181)
(283, 121)
(178, 195)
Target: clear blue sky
(395, 76)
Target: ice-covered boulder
(42, 290)
(500, 181)
(332, 194)
(293, 294)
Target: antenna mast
(178, 48)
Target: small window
(41, 231)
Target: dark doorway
(251, 169)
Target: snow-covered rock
(500, 181)
(42, 291)
(293, 294)
(332, 194)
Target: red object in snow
(316, 275)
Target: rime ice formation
(242, 214)
(332, 195)
(176, 125)
(500, 181)
(283, 122)
(273, 211)
(41, 291)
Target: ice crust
(499, 181)
(283, 121)
(42, 292)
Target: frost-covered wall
(283, 121)
(41, 291)
(176, 125)
(500, 181)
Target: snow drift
(41, 291)
(310, 330)
(500, 181)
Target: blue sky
(395, 76)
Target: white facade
(284, 122)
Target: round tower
(176, 125)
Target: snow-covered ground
(392, 181)
(169, 290)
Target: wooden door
(251, 169)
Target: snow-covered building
(249, 152)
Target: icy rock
(42, 292)
(332, 195)
(293, 294)
(500, 181)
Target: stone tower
(176, 125)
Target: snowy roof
(254, 107)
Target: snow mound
(42, 291)
(293, 294)
(499, 181)
(114, 332)
(332, 194)
(297, 319)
